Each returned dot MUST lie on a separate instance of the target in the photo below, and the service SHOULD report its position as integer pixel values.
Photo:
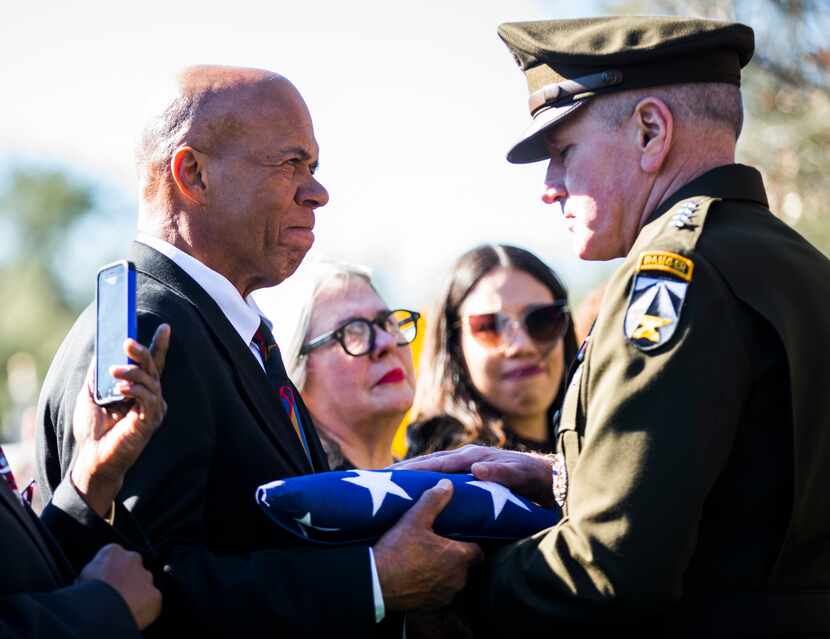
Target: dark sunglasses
(543, 324)
(357, 335)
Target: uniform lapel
(731, 182)
(251, 380)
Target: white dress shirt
(245, 316)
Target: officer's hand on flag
(527, 474)
(416, 567)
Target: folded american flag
(360, 505)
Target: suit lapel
(257, 388)
(27, 519)
(318, 455)
(251, 380)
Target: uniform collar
(243, 313)
(728, 182)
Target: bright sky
(414, 104)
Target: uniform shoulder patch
(677, 265)
(656, 298)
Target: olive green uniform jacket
(696, 444)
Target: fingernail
(444, 485)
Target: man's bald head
(210, 110)
(227, 174)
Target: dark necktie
(275, 369)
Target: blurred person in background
(350, 357)
(496, 352)
(587, 311)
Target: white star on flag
(500, 495)
(379, 485)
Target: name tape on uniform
(666, 262)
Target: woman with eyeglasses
(350, 357)
(495, 357)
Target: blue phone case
(105, 396)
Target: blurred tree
(40, 214)
(786, 99)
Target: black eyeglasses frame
(379, 321)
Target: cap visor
(531, 147)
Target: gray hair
(325, 275)
(715, 102)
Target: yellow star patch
(647, 328)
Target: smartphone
(115, 322)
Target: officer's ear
(654, 125)
(188, 169)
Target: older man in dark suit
(41, 594)
(228, 206)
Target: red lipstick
(392, 377)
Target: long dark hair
(444, 386)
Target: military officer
(694, 441)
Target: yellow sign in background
(399, 443)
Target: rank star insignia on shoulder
(656, 298)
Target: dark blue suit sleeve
(81, 533)
(87, 610)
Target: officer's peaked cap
(567, 62)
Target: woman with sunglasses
(495, 355)
(350, 358)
